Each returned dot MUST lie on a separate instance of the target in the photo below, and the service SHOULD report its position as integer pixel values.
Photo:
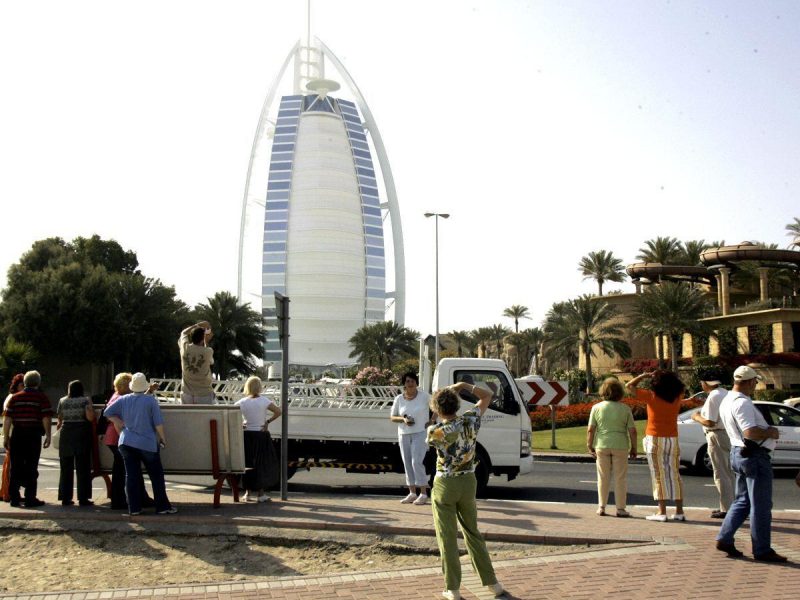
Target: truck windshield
(503, 399)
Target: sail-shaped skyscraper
(320, 219)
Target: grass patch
(573, 439)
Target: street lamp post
(436, 218)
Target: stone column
(713, 346)
(763, 283)
(638, 285)
(742, 340)
(724, 272)
(688, 346)
(782, 338)
(719, 291)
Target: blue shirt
(140, 414)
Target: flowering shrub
(375, 376)
(575, 415)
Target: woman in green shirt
(611, 439)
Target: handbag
(55, 439)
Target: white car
(793, 401)
(693, 445)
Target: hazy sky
(547, 129)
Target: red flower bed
(574, 415)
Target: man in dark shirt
(27, 418)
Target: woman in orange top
(661, 439)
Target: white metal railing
(301, 395)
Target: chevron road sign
(544, 393)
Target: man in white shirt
(752, 441)
(719, 445)
(196, 360)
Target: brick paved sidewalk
(654, 560)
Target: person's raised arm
(633, 383)
(484, 395)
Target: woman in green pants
(453, 497)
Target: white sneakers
(412, 497)
(264, 498)
(495, 589)
(422, 499)
(657, 517)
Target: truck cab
(504, 440)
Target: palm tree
(671, 309)
(692, 249)
(602, 266)
(382, 344)
(595, 321)
(532, 341)
(239, 334)
(462, 340)
(516, 312)
(664, 250)
(793, 230)
(480, 336)
(590, 323)
(560, 339)
(498, 333)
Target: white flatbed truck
(348, 426)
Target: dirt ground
(44, 556)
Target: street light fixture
(437, 216)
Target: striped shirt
(27, 409)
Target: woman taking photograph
(661, 439)
(75, 417)
(455, 440)
(258, 412)
(611, 439)
(411, 413)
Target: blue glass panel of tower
(273, 268)
(281, 166)
(274, 246)
(275, 226)
(373, 230)
(283, 148)
(370, 210)
(280, 185)
(365, 171)
(375, 272)
(277, 195)
(277, 205)
(372, 251)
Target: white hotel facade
(320, 214)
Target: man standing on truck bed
(196, 360)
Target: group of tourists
(739, 444)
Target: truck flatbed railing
(301, 395)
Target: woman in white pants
(411, 413)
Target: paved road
(550, 482)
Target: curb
(577, 458)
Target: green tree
(382, 344)
(691, 251)
(238, 334)
(74, 301)
(480, 336)
(516, 312)
(533, 339)
(15, 357)
(602, 266)
(560, 341)
(793, 230)
(671, 309)
(664, 250)
(498, 333)
(592, 323)
(462, 340)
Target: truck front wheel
(482, 473)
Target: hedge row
(574, 415)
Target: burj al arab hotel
(320, 219)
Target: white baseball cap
(745, 373)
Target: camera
(409, 419)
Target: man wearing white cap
(752, 441)
(719, 445)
